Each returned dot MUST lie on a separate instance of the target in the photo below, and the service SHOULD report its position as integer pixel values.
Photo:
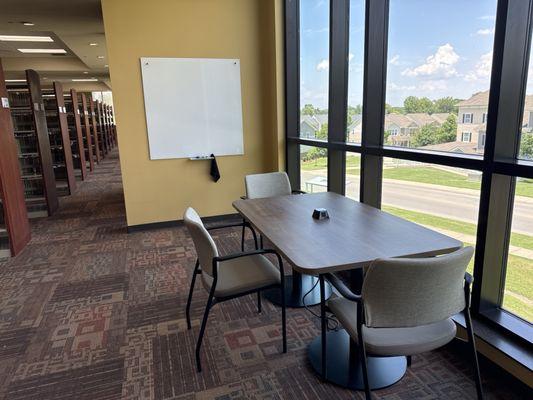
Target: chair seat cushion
(393, 341)
(243, 274)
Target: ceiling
(72, 24)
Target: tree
(309, 110)
(322, 133)
(526, 146)
(425, 136)
(446, 105)
(393, 110)
(448, 130)
(413, 104)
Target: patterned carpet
(88, 311)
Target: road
(444, 201)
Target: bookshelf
(94, 128)
(35, 155)
(101, 134)
(14, 225)
(86, 129)
(60, 143)
(76, 134)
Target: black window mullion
(292, 89)
(375, 72)
(338, 92)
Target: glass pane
(526, 140)
(518, 292)
(313, 169)
(353, 174)
(314, 68)
(442, 198)
(438, 74)
(355, 70)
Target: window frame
(499, 164)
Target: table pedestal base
(344, 368)
(296, 286)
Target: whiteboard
(193, 107)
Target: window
(466, 137)
(481, 140)
(484, 119)
(468, 118)
(314, 69)
(518, 289)
(438, 73)
(355, 71)
(414, 191)
(526, 137)
(313, 169)
(353, 175)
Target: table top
(354, 235)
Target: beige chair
(405, 308)
(230, 276)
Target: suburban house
(310, 125)
(354, 129)
(401, 127)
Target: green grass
(517, 239)
(519, 276)
(430, 175)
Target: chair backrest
(206, 248)
(406, 292)
(267, 185)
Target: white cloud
(482, 68)
(323, 65)
(350, 56)
(395, 87)
(439, 64)
(487, 17)
(485, 32)
(395, 60)
(433, 85)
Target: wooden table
(353, 236)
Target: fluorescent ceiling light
(28, 23)
(43, 51)
(93, 44)
(18, 38)
(15, 80)
(100, 57)
(85, 80)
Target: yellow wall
(250, 30)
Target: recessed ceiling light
(43, 51)
(27, 23)
(17, 38)
(106, 66)
(15, 80)
(85, 72)
(85, 80)
(93, 44)
(101, 57)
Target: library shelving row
(48, 140)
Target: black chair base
(295, 291)
(344, 365)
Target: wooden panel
(63, 126)
(353, 236)
(87, 131)
(96, 141)
(79, 132)
(11, 189)
(41, 132)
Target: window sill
(506, 350)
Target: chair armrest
(342, 288)
(230, 225)
(298, 192)
(244, 254)
(243, 197)
(468, 279)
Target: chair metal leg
(323, 323)
(471, 340)
(409, 360)
(259, 301)
(283, 305)
(362, 351)
(242, 235)
(202, 330)
(261, 241)
(191, 289)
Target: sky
(436, 48)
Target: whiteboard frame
(203, 96)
